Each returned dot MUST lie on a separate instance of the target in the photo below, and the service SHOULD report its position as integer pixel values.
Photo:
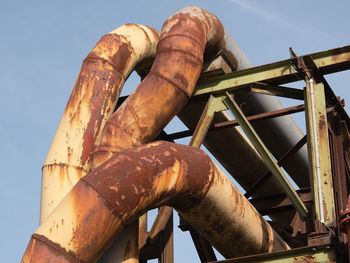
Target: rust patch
(142, 117)
(131, 25)
(70, 153)
(97, 87)
(154, 32)
(42, 250)
(62, 169)
(103, 95)
(128, 178)
(339, 57)
(115, 49)
(322, 122)
(95, 225)
(166, 88)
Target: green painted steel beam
(266, 155)
(277, 73)
(263, 88)
(213, 105)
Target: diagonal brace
(266, 155)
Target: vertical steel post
(167, 242)
(319, 154)
(143, 230)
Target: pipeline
(165, 89)
(160, 96)
(185, 38)
(136, 180)
(92, 101)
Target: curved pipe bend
(136, 180)
(186, 38)
(92, 101)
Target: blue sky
(43, 44)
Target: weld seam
(107, 202)
(97, 58)
(149, 40)
(124, 130)
(53, 245)
(136, 118)
(108, 151)
(187, 94)
(213, 174)
(179, 35)
(200, 60)
(66, 165)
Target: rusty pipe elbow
(92, 101)
(136, 180)
(186, 37)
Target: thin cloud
(265, 15)
(300, 29)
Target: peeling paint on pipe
(92, 101)
(137, 180)
(186, 38)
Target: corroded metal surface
(186, 37)
(142, 178)
(92, 101)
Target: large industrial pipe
(132, 125)
(186, 38)
(136, 180)
(92, 101)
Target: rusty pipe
(166, 88)
(92, 101)
(161, 173)
(125, 247)
(186, 38)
